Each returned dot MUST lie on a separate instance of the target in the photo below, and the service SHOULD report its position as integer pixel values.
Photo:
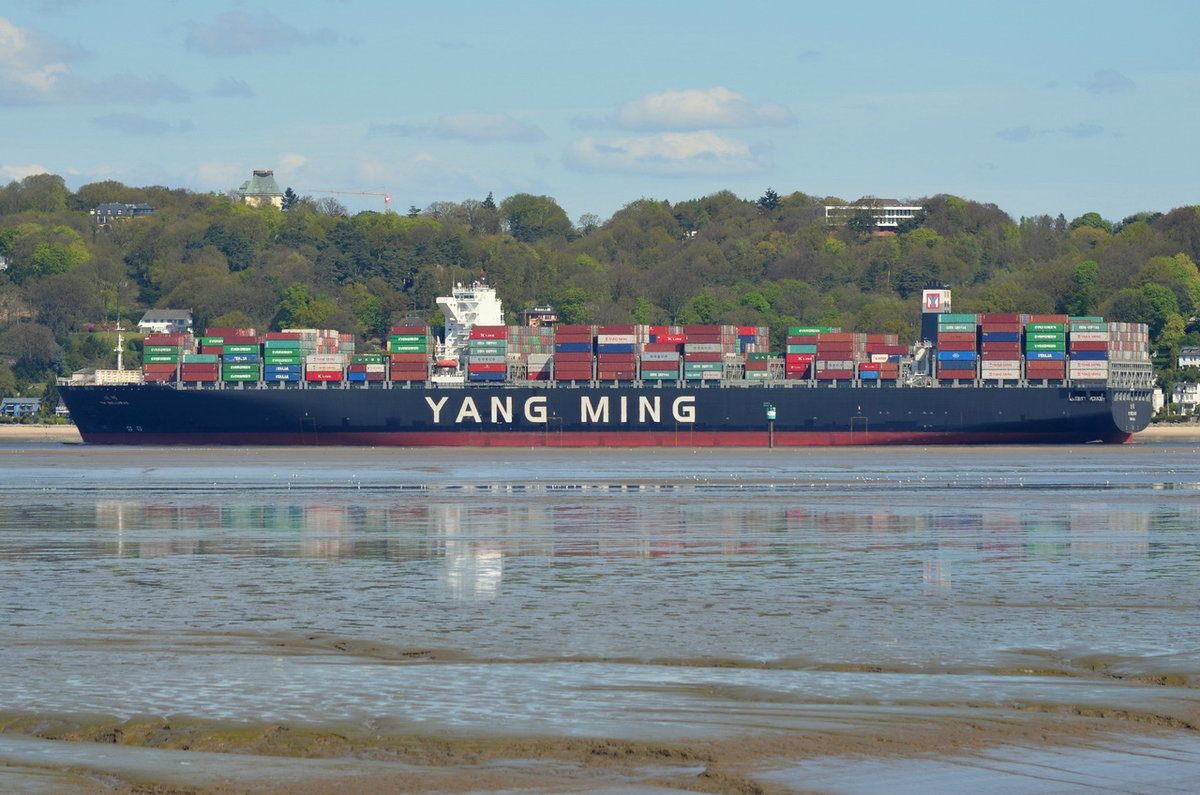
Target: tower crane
(387, 197)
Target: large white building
(1189, 357)
(888, 213)
(1186, 397)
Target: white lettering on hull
(597, 409)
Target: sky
(1038, 107)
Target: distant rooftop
(261, 184)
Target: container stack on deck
(616, 353)
(662, 354)
(408, 353)
(573, 351)
(487, 354)
(1000, 347)
(531, 349)
(162, 355)
(956, 347)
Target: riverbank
(17, 433)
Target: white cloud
(241, 33)
(34, 70)
(699, 109)
(291, 162)
(701, 153)
(484, 127)
(1108, 81)
(21, 172)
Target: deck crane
(387, 197)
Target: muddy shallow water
(462, 620)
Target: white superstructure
(467, 306)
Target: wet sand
(16, 433)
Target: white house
(888, 213)
(1186, 397)
(166, 321)
(1189, 357)
(261, 189)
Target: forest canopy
(773, 260)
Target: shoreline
(11, 433)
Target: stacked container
(1046, 347)
(162, 354)
(662, 354)
(885, 353)
(957, 351)
(1087, 350)
(1128, 342)
(1000, 347)
(283, 356)
(616, 353)
(837, 355)
(573, 352)
(487, 353)
(801, 350)
(703, 353)
(408, 353)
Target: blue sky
(1038, 107)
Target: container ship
(971, 379)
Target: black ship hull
(620, 415)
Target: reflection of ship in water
(472, 540)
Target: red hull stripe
(596, 438)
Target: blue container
(1001, 336)
(483, 376)
(869, 375)
(957, 356)
(613, 347)
(1045, 356)
(356, 376)
(281, 377)
(281, 368)
(572, 347)
(956, 364)
(1090, 356)
(241, 358)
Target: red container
(747, 331)
(1047, 319)
(158, 377)
(828, 375)
(670, 339)
(796, 367)
(408, 330)
(228, 331)
(1008, 328)
(202, 368)
(410, 376)
(573, 356)
(999, 318)
(800, 357)
(408, 358)
(835, 336)
(703, 357)
(758, 365)
(1000, 347)
(949, 345)
(660, 347)
(572, 329)
(199, 377)
(178, 340)
(616, 374)
(869, 367)
(283, 335)
(573, 338)
(626, 329)
(703, 338)
(323, 375)
(487, 368)
(842, 349)
(159, 368)
(955, 336)
(1089, 346)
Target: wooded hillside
(772, 261)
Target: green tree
(769, 200)
(531, 218)
(1083, 299)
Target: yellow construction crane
(387, 197)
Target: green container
(1089, 326)
(201, 358)
(957, 317)
(487, 345)
(283, 358)
(757, 375)
(1075, 320)
(801, 331)
(760, 356)
(404, 339)
(241, 349)
(161, 349)
(660, 375)
(407, 348)
(239, 376)
(161, 358)
(1045, 336)
(212, 340)
(367, 358)
(241, 367)
(702, 367)
(1045, 346)
(801, 349)
(1043, 327)
(287, 345)
(958, 328)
